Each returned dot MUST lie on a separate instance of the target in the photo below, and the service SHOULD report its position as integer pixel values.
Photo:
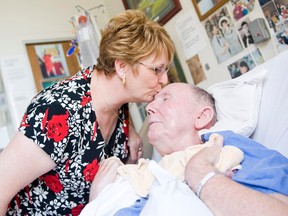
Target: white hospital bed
(260, 112)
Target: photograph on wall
(241, 8)
(158, 10)
(176, 72)
(282, 35)
(196, 69)
(275, 11)
(205, 8)
(244, 32)
(245, 64)
(223, 35)
(48, 83)
(58, 66)
(51, 60)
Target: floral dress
(61, 120)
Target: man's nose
(149, 108)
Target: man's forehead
(172, 90)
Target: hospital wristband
(203, 182)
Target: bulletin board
(50, 63)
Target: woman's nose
(163, 79)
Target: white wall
(30, 21)
(41, 20)
(217, 72)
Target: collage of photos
(276, 14)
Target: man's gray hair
(202, 96)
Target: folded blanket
(141, 178)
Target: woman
(82, 120)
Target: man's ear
(204, 118)
(120, 68)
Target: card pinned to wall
(190, 36)
(19, 85)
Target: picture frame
(176, 72)
(205, 8)
(50, 63)
(160, 11)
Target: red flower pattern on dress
(86, 99)
(126, 127)
(91, 170)
(53, 182)
(77, 210)
(67, 166)
(23, 122)
(85, 74)
(57, 127)
(95, 125)
(44, 121)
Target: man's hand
(202, 163)
(135, 146)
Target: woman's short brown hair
(131, 36)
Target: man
(176, 116)
(178, 113)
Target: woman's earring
(123, 80)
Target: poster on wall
(223, 36)
(245, 64)
(49, 62)
(15, 73)
(189, 36)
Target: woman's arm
(21, 161)
(135, 146)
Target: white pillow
(238, 101)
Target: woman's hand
(106, 174)
(135, 146)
